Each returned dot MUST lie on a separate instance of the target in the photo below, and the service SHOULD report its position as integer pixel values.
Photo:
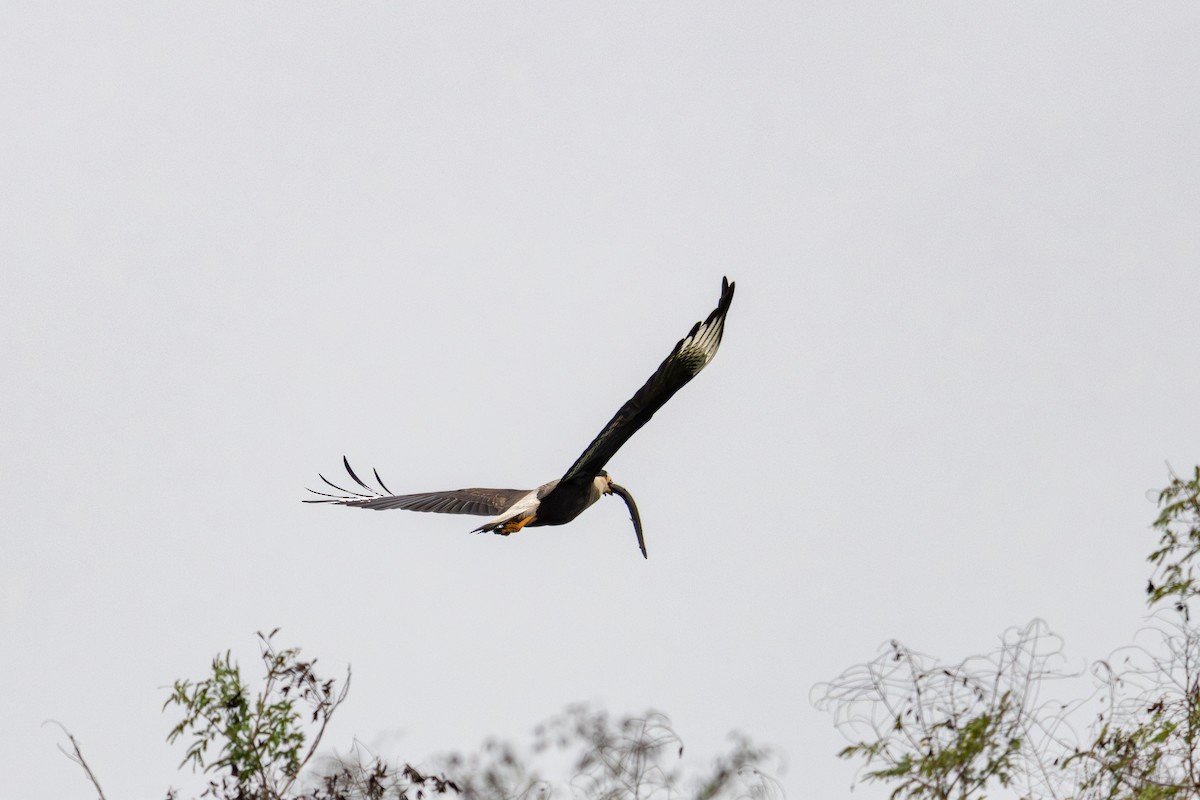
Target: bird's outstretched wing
(481, 502)
(691, 354)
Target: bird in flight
(562, 500)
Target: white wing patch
(522, 508)
(699, 348)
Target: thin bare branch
(76, 755)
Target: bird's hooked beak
(623, 493)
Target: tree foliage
(262, 745)
(1146, 741)
(937, 731)
(261, 742)
(1178, 526)
(964, 731)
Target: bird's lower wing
(690, 355)
(481, 502)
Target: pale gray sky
(449, 240)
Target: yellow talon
(515, 525)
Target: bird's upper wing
(691, 354)
(482, 502)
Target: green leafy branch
(261, 739)
(1148, 743)
(1178, 525)
(951, 732)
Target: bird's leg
(514, 526)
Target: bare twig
(76, 755)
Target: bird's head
(604, 483)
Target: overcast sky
(239, 240)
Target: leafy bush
(937, 731)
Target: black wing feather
(379, 480)
(357, 480)
(339, 488)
